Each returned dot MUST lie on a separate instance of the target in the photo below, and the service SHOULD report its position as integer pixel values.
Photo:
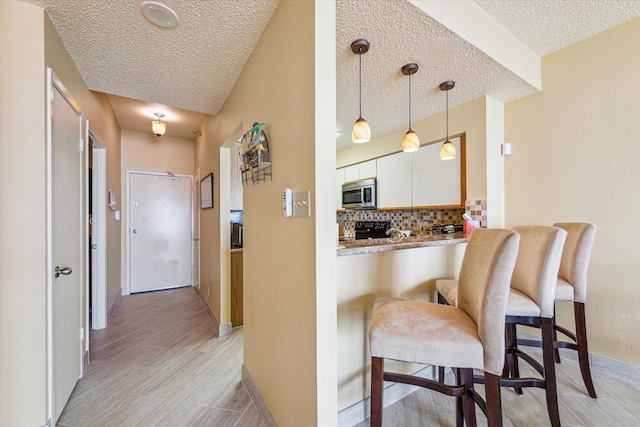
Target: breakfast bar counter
(368, 269)
(369, 246)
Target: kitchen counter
(236, 250)
(369, 246)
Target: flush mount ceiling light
(158, 126)
(361, 131)
(410, 142)
(448, 150)
(159, 14)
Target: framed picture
(206, 192)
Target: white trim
(127, 289)
(225, 329)
(99, 237)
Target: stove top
(372, 229)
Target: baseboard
(257, 399)
(113, 307)
(210, 312)
(604, 364)
(225, 329)
(360, 411)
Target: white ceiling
(188, 71)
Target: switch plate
(301, 204)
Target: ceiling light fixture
(361, 131)
(448, 150)
(158, 126)
(410, 142)
(159, 14)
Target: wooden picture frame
(206, 192)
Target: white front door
(66, 245)
(160, 231)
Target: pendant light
(361, 132)
(158, 126)
(448, 150)
(410, 142)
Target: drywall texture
(576, 158)
(275, 88)
(23, 285)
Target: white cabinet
(394, 181)
(339, 182)
(360, 171)
(436, 182)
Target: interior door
(160, 231)
(65, 124)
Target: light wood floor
(161, 363)
(617, 405)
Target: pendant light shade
(447, 150)
(158, 126)
(361, 132)
(410, 142)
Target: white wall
(576, 157)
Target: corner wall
(282, 256)
(576, 157)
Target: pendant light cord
(360, 82)
(409, 101)
(447, 116)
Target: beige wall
(28, 43)
(145, 152)
(23, 304)
(576, 157)
(104, 126)
(281, 254)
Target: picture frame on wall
(206, 192)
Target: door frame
(99, 232)
(127, 289)
(52, 82)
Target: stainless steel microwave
(359, 194)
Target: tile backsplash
(415, 220)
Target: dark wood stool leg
(550, 371)
(556, 353)
(441, 374)
(460, 414)
(493, 399)
(512, 359)
(469, 403)
(583, 351)
(377, 383)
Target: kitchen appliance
(372, 229)
(359, 194)
(236, 235)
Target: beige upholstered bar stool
(572, 286)
(467, 337)
(531, 302)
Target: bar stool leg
(583, 351)
(377, 383)
(493, 399)
(550, 371)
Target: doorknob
(134, 231)
(65, 270)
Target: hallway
(160, 362)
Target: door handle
(134, 231)
(65, 270)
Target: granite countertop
(369, 246)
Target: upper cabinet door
(360, 171)
(394, 181)
(436, 182)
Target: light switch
(301, 204)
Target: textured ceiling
(190, 70)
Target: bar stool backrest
(576, 255)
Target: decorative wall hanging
(206, 192)
(255, 156)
